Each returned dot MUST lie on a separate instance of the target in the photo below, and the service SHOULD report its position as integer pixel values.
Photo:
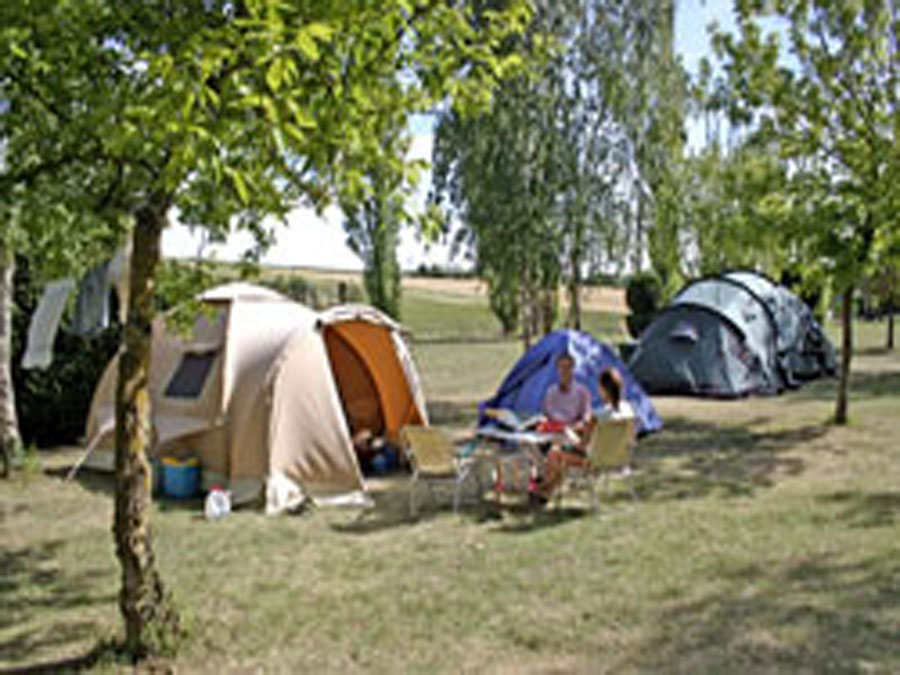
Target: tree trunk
(526, 308)
(575, 304)
(638, 261)
(9, 426)
(549, 309)
(146, 609)
(890, 328)
(575, 282)
(840, 412)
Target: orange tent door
(370, 378)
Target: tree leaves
(543, 182)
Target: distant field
(457, 309)
(431, 315)
(595, 298)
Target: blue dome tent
(523, 388)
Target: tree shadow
(526, 520)
(452, 413)
(33, 585)
(97, 482)
(390, 508)
(103, 483)
(865, 384)
(875, 351)
(58, 636)
(688, 460)
(815, 615)
(866, 509)
(692, 459)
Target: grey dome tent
(716, 338)
(804, 352)
(731, 336)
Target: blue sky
(310, 240)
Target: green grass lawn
(764, 540)
(436, 317)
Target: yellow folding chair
(609, 452)
(434, 460)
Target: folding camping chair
(610, 451)
(434, 459)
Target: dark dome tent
(731, 336)
(716, 338)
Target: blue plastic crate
(180, 479)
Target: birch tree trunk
(840, 412)
(9, 426)
(146, 609)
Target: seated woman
(611, 390)
(559, 457)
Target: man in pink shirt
(567, 405)
(568, 402)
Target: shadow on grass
(391, 508)
(31, 585)
(525, 520)
(98, 482)
(688, 460)
(865, 384)
(452, 413)
(862, 509)
(812, 615)
(692, 459)
(875, 351)
(103, 483)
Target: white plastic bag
(218, 504)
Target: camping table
(525, 448)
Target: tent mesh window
(191, 375)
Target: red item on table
(552, 427)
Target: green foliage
(179, 282)
(883, 288)
(382, 273)
(644, 297)
(544, 182)
(178, 287)
(831, 115)
(436, 271)
(313, 293)
(29, 462)
(731, 215)
(491, 169)
(373, 228)
(230, 112)
(296, 287)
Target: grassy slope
(443, 316)
(764, 540)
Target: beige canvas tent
(267, 393)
